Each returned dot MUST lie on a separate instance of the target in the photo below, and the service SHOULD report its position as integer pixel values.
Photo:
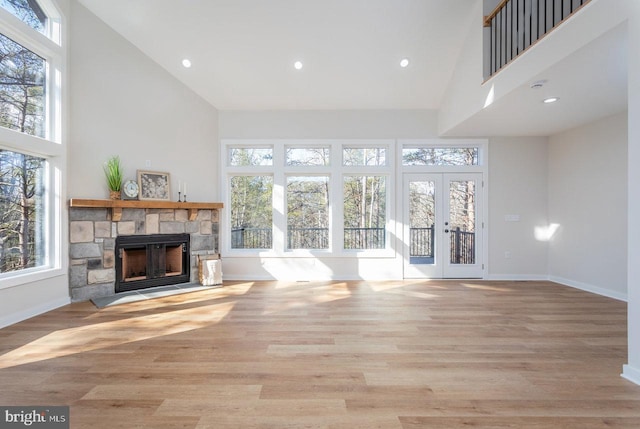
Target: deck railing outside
(462, 245)
(308, 238)
(421, 240)
(515, 25)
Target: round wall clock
(130, 189)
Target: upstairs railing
(515, 25)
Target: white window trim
(335, 171)
(482, 167)
(50, 47)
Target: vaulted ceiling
(242, 55)
(243, 51)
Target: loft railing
(514, 25)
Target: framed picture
(154, 185)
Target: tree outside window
(251, 212)
(22, 88)
(308, 212)
(21, 211)
(29, 12)
(364, 212)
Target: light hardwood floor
(405, 354)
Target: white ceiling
(243, 52)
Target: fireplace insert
(145, 261)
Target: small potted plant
(113, 174)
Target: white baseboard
(33, 311)
(630, 373)
(517, 277)
(589, 288)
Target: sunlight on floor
(108, 334)
(486, 287)
(230, 291)
(321, 293)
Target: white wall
(588, 200)
(122, 103)
(517, 207)
(328, 124)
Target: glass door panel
(422, 220)
(422, 202)
(441, 236)
(462, 222)
(464, 242)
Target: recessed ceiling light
(186, 63)
(297, 65)
(550, 100)
(404, 62)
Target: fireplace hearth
(144, 261)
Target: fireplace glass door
(151, 260)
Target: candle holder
(185, 198)
(179, 200)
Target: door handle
(446, 230)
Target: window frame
(335, 171)
(229, 179)
(50, 147)
(440, 143)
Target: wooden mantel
(116, 206)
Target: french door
(442, 233)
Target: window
(31, 150)
(308, 156)
(22, 227)
(321, 197)
(365, 201)
(28, 11)
(243, 156)
(22, 88)
(308, 212)
(364, 156)
(251, 212)
(447, 156)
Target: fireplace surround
(96, 225)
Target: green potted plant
(113, 174)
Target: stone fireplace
(96, 225)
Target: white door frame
(440, 265)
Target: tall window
(365, 202)
(251, 212)
(31, 153)
(308, 212)
(21, 211)
(22, 88)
